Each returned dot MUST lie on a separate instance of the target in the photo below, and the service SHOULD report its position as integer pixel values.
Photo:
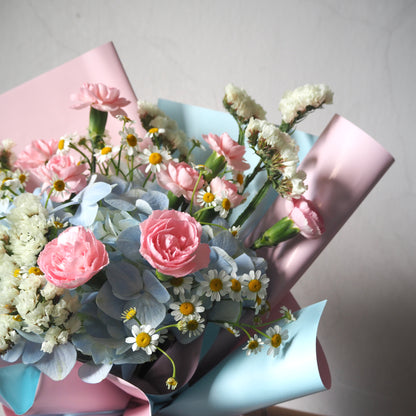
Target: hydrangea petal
(94, 373)
(125, 279)
(154, 287)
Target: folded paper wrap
(342, 167)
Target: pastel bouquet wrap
(215, 376)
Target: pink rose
(100, 97)
(64, 175)
(306, 217)
(180, 179)
(225, 146)
(222, 188)
(171, 243)
(71, 259)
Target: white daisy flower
(287, 314)
(234, 230)
(236, 288)
(106, 153)
(276, 339)
(206, 198)
(144, 337)
(254, 345)
(154, 132)
(194, 326)
(130, 140)
(232, 330)
(187, 308)
(179, 285)
(65, 143)
(222, 205)
(215, 285)
(256, 285)
(155, 158)
(171, 383)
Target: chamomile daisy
(179, 285)
(194, 326)
(154, 158)
(187, 307)
(215, 285)
(206, 198)
(231, 329)
(254, 345)
(256, 285)
(144, 337)
(277, 336)
(130, 140)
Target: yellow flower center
(59, 185)
(230, 330)
(17, 318)
(16, 272)
(22, 178)
(253, 344)
(208, 197)
(35, 270)
(240, 178)
(155, 158)
(176, 281)
(186, 308)
(129, 314)
(254, 285)
(106, 150)
(61, 144)
(192, 325)
(276, 340)
(171, 383)
(235, 285)
(131, 140)
(215, 284)
(5, 180)
(153, 130)
(143, 339)
(58, 224)
(226, 204)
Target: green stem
(253, 204)
(253, 174)
(170, 359)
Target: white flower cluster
(283, 157)
(241, 104)
(152, 117)
(27, 301)
(296, 102)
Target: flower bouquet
(136, 275)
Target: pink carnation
(71, 259)
(171, 242)
(62, 170)
(100, 97)
(306, 217)
(225, 146)
(180, 179)
(223, 188)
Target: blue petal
(149, 310)
(15, 352)
(128, 243)
(143, 207)
(220, 260)
(226, 241)
(225, 311)
(108, 303)
(153, 286)
(120, 204)
(59, 363)
(244, 263)
(94, 373)
(157, 200)
(125, 279)
(32, 353)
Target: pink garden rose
(171, 243)
(225, 146)
(306, 217)
(222, 188)
(100, 97)
(71, 259)
(64, 175)
(180, 179)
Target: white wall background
(365, 50)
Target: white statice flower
(241, 104)
(293, 186)
(54, 336)
(302, 98)
(187, 308)
(144, 337)
(276, 338)
(256, 284)
(215, 285)
(8, 333)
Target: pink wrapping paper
(342, 168)
(43, 103)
